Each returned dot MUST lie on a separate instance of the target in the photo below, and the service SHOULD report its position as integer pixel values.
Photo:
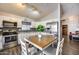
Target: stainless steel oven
(10, 38)
(10, 41)
(7, 39)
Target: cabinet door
(1, 45)
(19, 23)
(19, 37)
(1, 25)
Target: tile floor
(11, 51)
(71, 47)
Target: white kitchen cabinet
(19, 23)
(26, 25)
(19, 37)
(1, 25)
(1, 42)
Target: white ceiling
(43, 8)
(69, 9)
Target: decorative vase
(39, 37)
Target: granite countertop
(27, 31)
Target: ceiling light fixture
(32, 10)
(20, 5)
(36, 12)
(29, 6)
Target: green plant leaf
(40, 28)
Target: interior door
(64, 29)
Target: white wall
(72, 22)
(38, 23)
(35, 24)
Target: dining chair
(49, 51)
(32, 50)
(59, 47)
(26, 50)
(55, 37)
(23, 47)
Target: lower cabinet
(1, 43)
(21, 36)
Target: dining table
(45, 41)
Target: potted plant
(40, 28)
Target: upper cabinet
(26, 25)
(19, 24)
(9, 24)
(53, 26)
(1, 19)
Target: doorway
(64, 30)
